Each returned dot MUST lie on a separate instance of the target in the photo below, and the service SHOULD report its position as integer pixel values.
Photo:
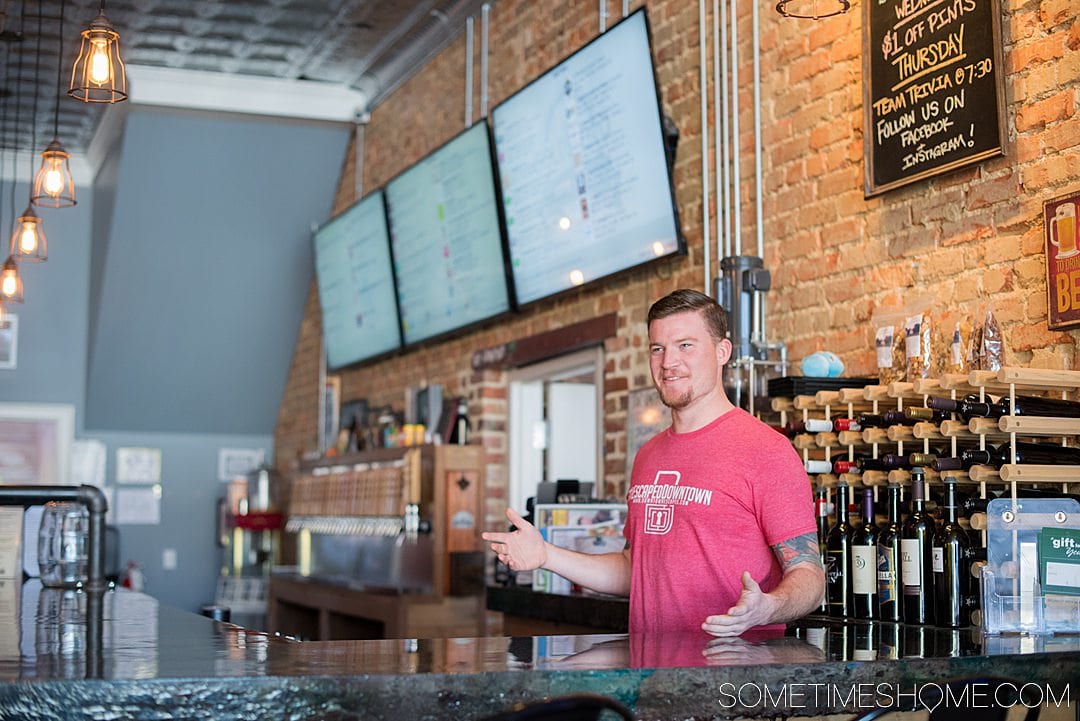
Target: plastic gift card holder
(1012, 583)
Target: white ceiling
(314, 59)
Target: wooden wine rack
(1008, 381)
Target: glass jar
(62, 544)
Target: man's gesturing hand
(755, 608)
(522, 549)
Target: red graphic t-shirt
(703, 507)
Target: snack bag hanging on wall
(889, 346)
(974, 349)
(918, 341)
(956, 355)
(992, 348)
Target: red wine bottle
(1022, 406)
(951, 551)
(838, 558)
(888, 561)
(916, 556)
(864, 561)
(1046, 454)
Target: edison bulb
(577, 277)
(54, 182)
(28, 238)
(564, 223)
(8, 285)
(658, 248)
(99, 62)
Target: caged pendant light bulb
(98, 74)
(53, 186)
(28, 244)
(11, 286)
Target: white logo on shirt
(660, 500)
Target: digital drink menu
(584, 177)
(356, 284)
(446, 239)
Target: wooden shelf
(1036, 426)
(1031, 473)
(1044, 378)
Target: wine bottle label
(818, 467)
(886, 565)
(864, 569)
(818, 425)
(956, 349)
(910, 561)
(833, 566)
(939, 559)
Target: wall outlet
(168, 559)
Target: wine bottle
(864, 561)
(916, 577)
(860, 465)
(872, 420)
(462, 426)
(1021, 406)
(1046, 454)
(821, 506)
(888, 561)
(918, 414)
(950, 552)
(894, 461)
(838, 558)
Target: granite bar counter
(122, 655)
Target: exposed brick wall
(972, 235)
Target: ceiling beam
(223, 92)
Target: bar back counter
(121, 655)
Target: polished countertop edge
(667, 693)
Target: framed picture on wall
(35, 443)
(9, 341)
(645, 417)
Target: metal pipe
(485, 10)
(625, 7)
(358, 156)
(759, 213)
(89, 496)
(720, 58)
(702, 40)
(468, 70)
(603, 15)
(735, 172)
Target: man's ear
(723, 351)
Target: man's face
(684, 359)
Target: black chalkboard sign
(933, 90)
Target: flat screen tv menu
(356, 284)
(582, 166)
(446, 238)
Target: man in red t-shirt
(720, 532)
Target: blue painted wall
(169, 307)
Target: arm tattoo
(797, 550)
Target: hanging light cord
(3, 131)
(15, 142)
(34, 115)
(59, 67)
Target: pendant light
(53, 186)
(11, 287)
(98, 74)
(28, 236)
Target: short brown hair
(685, 300)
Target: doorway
(555, 433)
